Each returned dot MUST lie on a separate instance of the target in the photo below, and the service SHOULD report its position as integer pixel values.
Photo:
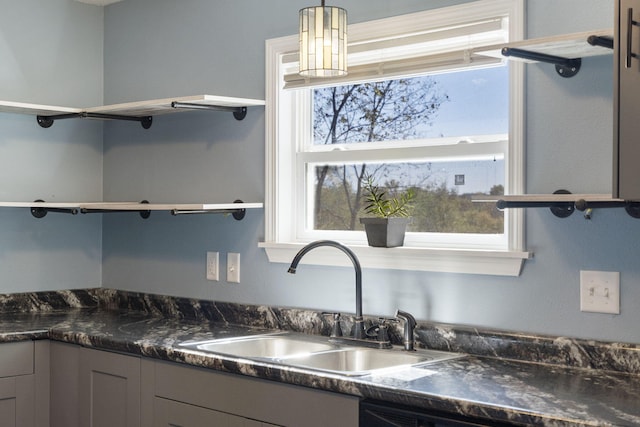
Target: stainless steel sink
(363, 361)
(264, 346)
(317, 353)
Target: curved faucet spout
(359, 331)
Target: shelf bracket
(632, 208)
(563, 209)
(47, 121)
(238, 214)
(238, 112)
(602, 41)
(565, 67)
(41, 212)
(559, 209)
(145, 121)
(144, 214)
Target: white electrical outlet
(213, 266)
(233, 267)
(600, 291)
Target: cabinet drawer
(16, 358)
(168, 413)
(257, 399)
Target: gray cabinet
(109, 389)
(206, 395)
(626, 151)
(23, 375)
(168, 413)
(93, 388)
(65, 360)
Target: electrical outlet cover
(213, 266)
(233, 267)
(600, 291)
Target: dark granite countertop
(492, 388)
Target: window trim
(281, 247)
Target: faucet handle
(382, 322)
(383, 330)
(336, 329)
(380, 332)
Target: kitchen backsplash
(565, 351)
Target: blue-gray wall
(162, 48)
(218, 47)
(51, 52)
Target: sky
(478, 103)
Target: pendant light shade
(323, 41)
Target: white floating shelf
(164, 106)
(53, 205)
(35, 109)
(141, 111)
(133, 206)
(136, 206)
(40, 209)
(548, 198)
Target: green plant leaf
(379, 206)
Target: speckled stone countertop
(565, 382)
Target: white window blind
(389, 55)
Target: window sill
(497, 263)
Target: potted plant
(387, 227)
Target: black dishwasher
(379, 414)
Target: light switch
(600, 291)
(233, 267)
(213, 266)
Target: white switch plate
(213, 266)
(233, 267)
(600, 291)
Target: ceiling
(99, 2)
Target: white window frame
(283, 191)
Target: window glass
(458, 107)
(442, 194)
(455, 103)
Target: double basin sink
(317, 353)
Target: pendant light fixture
(323, 41)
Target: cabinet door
(17, 401)
(626, 175)
(64, 360)
(109, 389)
(17, 384)
(169, 413)
(7, 410)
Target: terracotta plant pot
(385, 232)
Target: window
(421, 108)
